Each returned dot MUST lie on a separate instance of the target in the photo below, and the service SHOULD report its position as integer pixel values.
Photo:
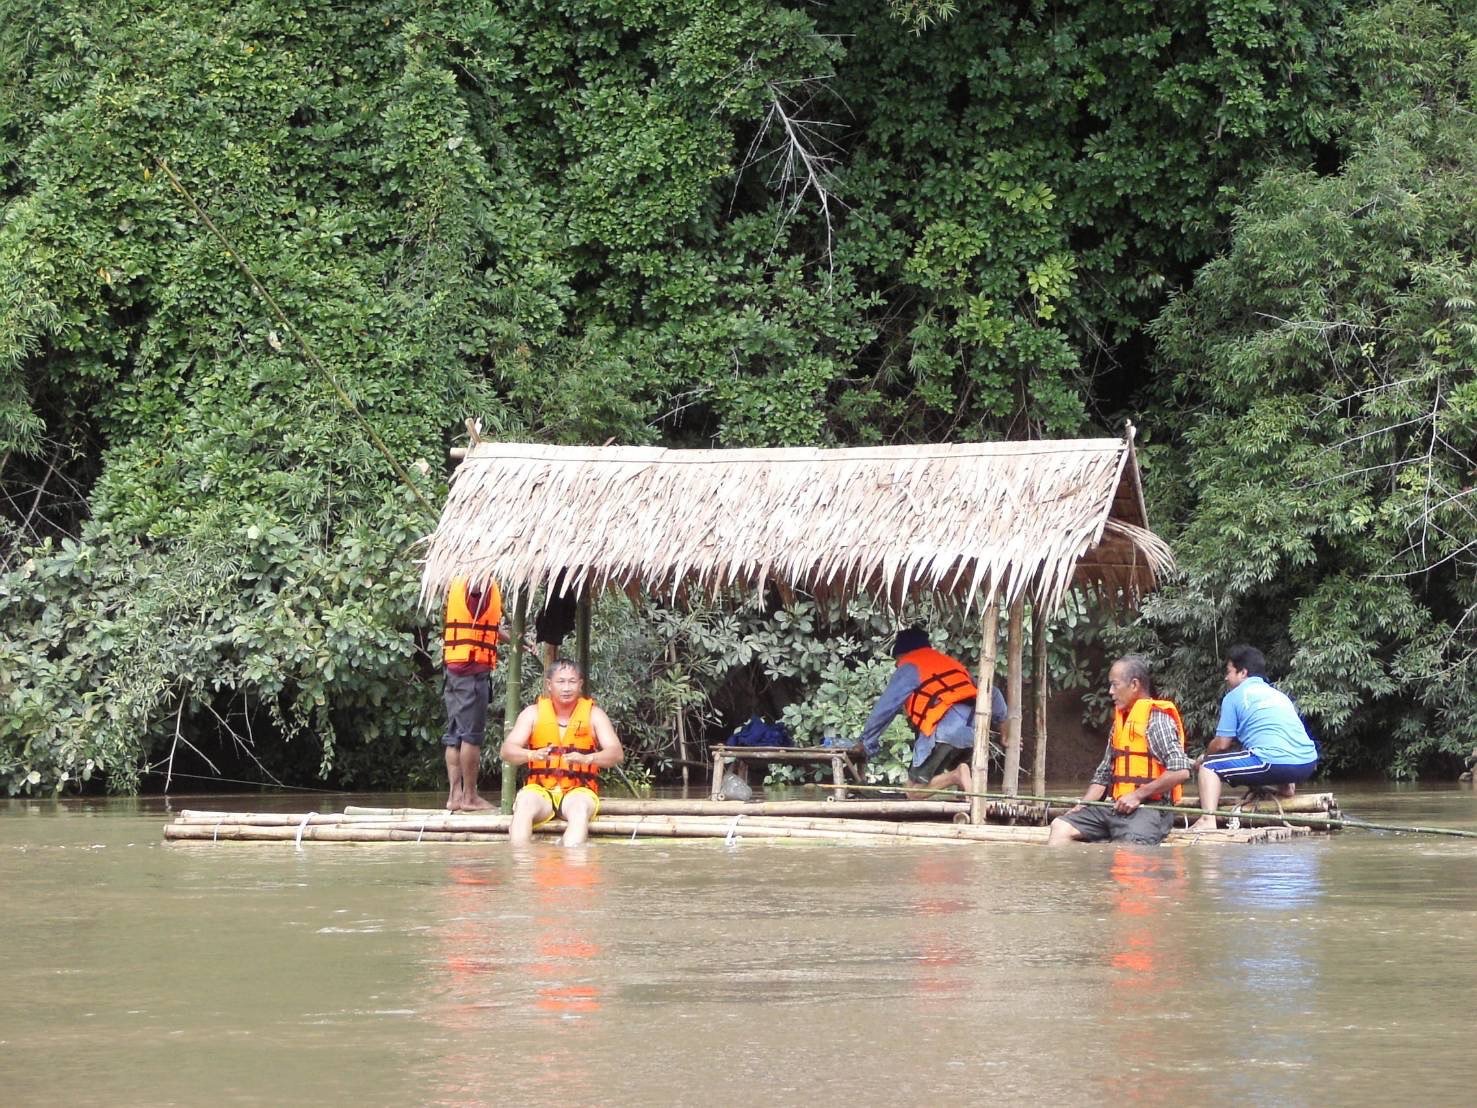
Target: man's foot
(1287, 792)
(451, 804)
(476, 804)
(1204, 823)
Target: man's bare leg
(1210, 798)
(453, 777)
(471, 765)
(529, 807)
(576, 810)
(1062, 833)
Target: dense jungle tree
(739, 222)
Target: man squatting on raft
(1145, 761)
(937, 694)
(565, 741)
(470, 637)
(1260, 739)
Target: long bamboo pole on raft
(1039, 690)
(513, 702)
(980, 761)
(1013, 651)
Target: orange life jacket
(469, 638)
(943, 683)
(549, 770)
(1133, 765)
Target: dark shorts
(466, 708)
(1243, 768)
(941, 759)
(1103, 825)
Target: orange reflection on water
(567, 885)
(937, 955)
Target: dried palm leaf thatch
(963, 522)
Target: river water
(1336, 971)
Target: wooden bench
(840, 758)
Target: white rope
(215, 835)
(298, 842)
(422, 832)
(636, 828)
(729, 839)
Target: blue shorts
(1243, 768)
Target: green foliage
(745, 223)
(1326, 478)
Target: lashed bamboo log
(1013, 649)
(621, 806)
(493, 828)
(979, 764)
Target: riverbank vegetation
(1247, 226)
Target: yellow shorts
(558, 795)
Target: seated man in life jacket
(937, 695)
(1145, 762)
(1260, 739)
(565, 741)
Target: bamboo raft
(856, 821)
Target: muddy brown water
(1336, 971)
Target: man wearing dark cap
(937, 694)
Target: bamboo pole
(1331, 823)
(1013, 649)
(681, 723)
(1302, 803)
(1039, 690)
(513, 702)
(447, 829)
(615, 805)
(493, 828)
(979, 764)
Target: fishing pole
(1331, 822)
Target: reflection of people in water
(566, 884)
(940, 955)
(1147, 964)
(565, 740)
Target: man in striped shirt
(1145, 761)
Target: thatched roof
(960, 521)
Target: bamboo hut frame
(975, 524)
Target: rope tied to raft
(216, 834)
(636, 828)
(731, 837)
(298, 842)
(422, 833)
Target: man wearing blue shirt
(1260, 739)
(937, 694)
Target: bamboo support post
(513, 702)
(681, 723)
(1013, 650)
(1039, 690)
(980, 761)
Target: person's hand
(1127, 804)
